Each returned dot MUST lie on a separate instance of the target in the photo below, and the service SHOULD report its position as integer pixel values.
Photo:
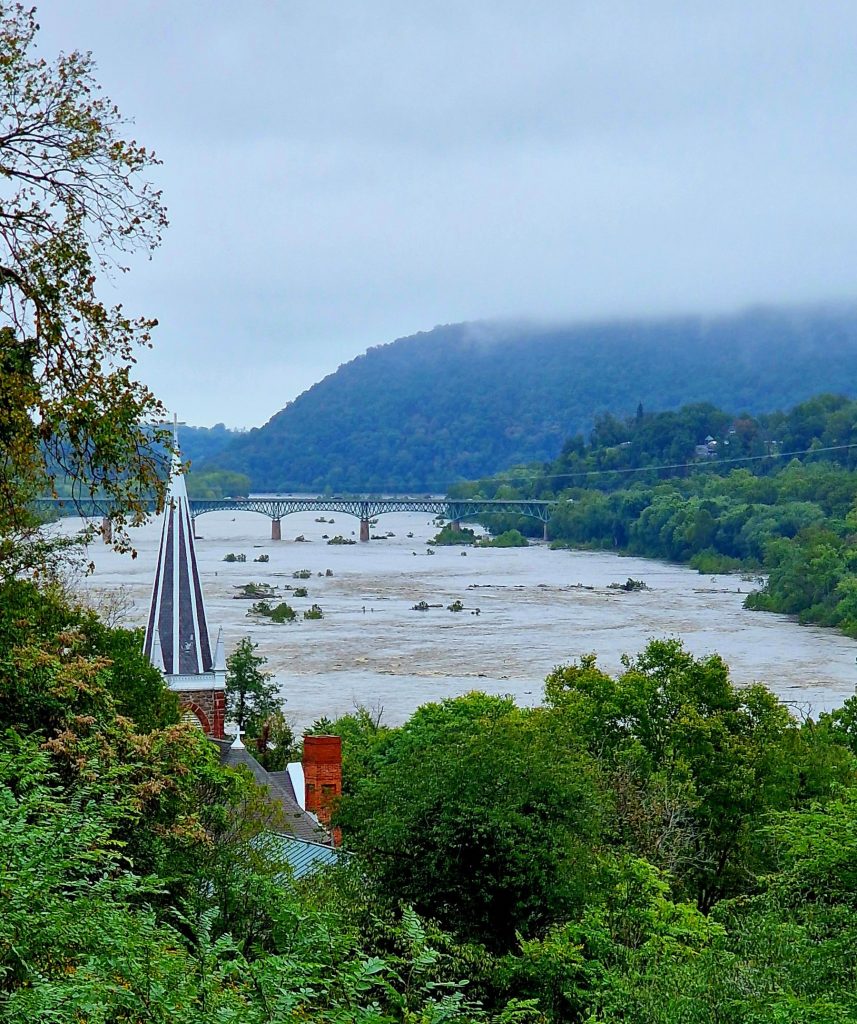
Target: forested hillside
(777, 494)
(465, 400)
(196, 444)
(199, 443)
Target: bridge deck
(360, 508)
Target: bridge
(276, 508)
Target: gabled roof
(280, 790)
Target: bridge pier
(364, 530)
(545, 533)
(276, 529)
(455, 525)
(106, 530)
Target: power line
(678, 465)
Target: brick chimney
(322, 764)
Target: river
(537, 608)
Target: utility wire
(502, 477)
(714, 463)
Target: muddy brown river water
(537, 608)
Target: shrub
(283, 613)
(509, 539)
(249, 591)
(449, 536)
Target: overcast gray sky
(339, 174)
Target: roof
(285, 780)
(299, 823)
(302, 856)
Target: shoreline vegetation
(774, 495)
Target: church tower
(177, 640)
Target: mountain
(466, 400)
(200, 443)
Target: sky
(340, 174)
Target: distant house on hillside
(706, 450)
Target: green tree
(138, 689)
(38, 629)
(629, 935)
(696, 764)
(217, 484)
(477, 818)
(251, 697)
(76, 205)
(365, 740)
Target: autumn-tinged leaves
(74, 204)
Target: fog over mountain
(470, 399)
(342, 174)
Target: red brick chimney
(322, 764)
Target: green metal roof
(302, 856)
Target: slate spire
(177, 640)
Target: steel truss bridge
(276, 508)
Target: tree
(365, 741)
(277, 744)
(138, 689)
(696, 763)
(250, 696)
(477, 817)
(74, 206)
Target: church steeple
(177, 639)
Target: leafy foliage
(640, 485)
(711, 881)
(199, 443)
(251, 697)
(75, 206)
(57, 660)
(137, 880)
(488, 840)
(218, 484)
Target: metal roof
(177, 640)
(302, 856)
